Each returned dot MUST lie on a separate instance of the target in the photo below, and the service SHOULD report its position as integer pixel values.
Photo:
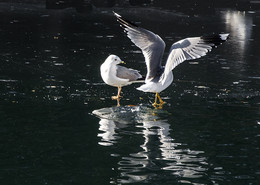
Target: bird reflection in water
(158, 151)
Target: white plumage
(158, 77)
(118, 76)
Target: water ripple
(157, 150)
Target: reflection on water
(240, 26)
(108, 127)
(50, 80)
(157, 151)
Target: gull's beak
(122, 62)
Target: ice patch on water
(130, 113)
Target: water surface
(60, 126)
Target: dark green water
(60, 126)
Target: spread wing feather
(152, 46)
(191, 48)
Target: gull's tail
(144, 88)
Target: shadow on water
(156, 150)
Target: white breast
(108, 74)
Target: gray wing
(191, 48)
(127, 73)
(151, 45)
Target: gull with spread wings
(158, 77)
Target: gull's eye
(115, 59)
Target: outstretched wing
(152, 46)
(191, 48)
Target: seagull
(159, 77)
(118, 76)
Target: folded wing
(127, 73)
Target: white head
(113, 59)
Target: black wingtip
(215, 39)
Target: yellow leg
(118, 102)
(118, 96)
(161, 101)
(119, 92)
(155, 104)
